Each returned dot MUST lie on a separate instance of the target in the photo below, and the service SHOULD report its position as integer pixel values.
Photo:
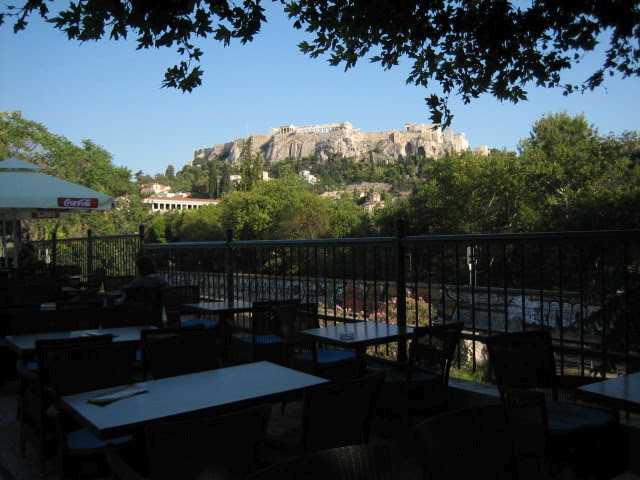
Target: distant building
(161, 204)
(308, 177)
(235, 179)
(482, 150)
(154, 189)
(265, 176)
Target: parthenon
(322, 128)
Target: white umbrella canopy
(27, 193)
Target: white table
(26, 344)
(201, 393)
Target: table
(201, 393)
(358, 335)
(220, 308)
(622, 392)
(26, 344)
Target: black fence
(114, 255)
(582, 286)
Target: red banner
(45, 214)
(66, 202)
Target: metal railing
(114, 255)
(582, 286)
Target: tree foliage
(87, 164)
(467, 47)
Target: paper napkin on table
(131, 391)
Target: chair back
(173, 299)
(469, 443)
(89, 367)
(432, 348)
(116, 282)
(192, 448)
(171, 352)
(339, 414)
(523, 360)
(128, 315)
(371, 462)
(50, 348)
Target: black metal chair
(469, 443)
(35, 395)
(525, 361)
(353, 462)
(336, 414)
(421, 386)
(79, 369)
(220, 447)
(265, 338)
(171, 352)
(311, 356)
(174, 298)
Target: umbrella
(27, 193)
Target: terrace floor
(285, 425)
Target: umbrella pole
(16, 240)
(4, 241)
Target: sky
(110, 92)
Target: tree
(87, 164)
(250, 166)
(468, 47)
(170, 172)
(213, 178)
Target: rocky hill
(342, 140)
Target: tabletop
(24, 344)
(221, 307)
(623, 391)
(196, 392)
(359, 334)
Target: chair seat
(327, 356)
(83, 439)
(196, 322)
(260, 339)
(567, 417)
(31, 364)
(396, 375)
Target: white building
(161, 204)
(308, 177)
(154, 189)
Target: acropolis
(330, 140)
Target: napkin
(109, 398)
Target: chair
(171, 352)
(420, 387)
(117, 282)
(469, 443)
(338, 414)
(193, 448)
(270, 321)
(35, 395)
(174, 298)
(128, 315)
(79, 369)
(353, 462)
(310, 356)
(525, 361)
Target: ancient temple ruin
(341, 139)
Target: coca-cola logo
(66, 202)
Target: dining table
(622, 392)
(201, 393)
(24, 345)
(358, 335)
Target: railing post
(54, 249)
(228, 266)
(89, 252)
(401, 287)
(141, 236)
